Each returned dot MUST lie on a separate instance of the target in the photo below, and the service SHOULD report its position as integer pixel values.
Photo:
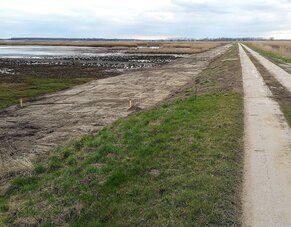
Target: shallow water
(50, 51)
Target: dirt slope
(53, 119)
(267, 185)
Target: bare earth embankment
(26, 76)
(177, 164)
(53, 119)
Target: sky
(145, 19)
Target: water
(51, 51)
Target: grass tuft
(179, 164)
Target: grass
(175, 165)
(11, 92)
(269, 53)
(179, 164)
(286, 109)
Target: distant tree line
(159, 40)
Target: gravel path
(267, 182)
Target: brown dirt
(56, 118)
(223, 74)
(51, 71)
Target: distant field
(276, 49)
(70, 43)
(130, 46)
(174, 47)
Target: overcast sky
(145, 18)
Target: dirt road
(267, 182)
(53, 119)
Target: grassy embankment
(11, 92)
(268, 53)
(179, 164)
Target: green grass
(179, 164)
(269, 54)
(286, 109)
(10, 93)
(176, 165)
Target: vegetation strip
(141, 47)
(177, 164)
(11, 92)
(269, 54)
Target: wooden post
(21, 103)
(130, 103)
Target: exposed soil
(223, 134)
(53, 119)
(20, 72)
(78, 66)
(27, 77)
(223, 74)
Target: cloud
(144, 18)
(281, 34)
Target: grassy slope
(179, 164)
(268, 53)
(10, 93)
